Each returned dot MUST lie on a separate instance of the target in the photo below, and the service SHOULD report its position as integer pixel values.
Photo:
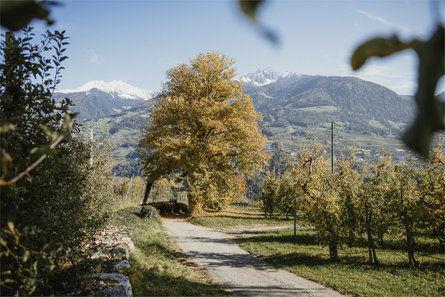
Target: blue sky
(137, 41)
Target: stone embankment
(110, 260)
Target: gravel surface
(240, 272)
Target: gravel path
(240, 272)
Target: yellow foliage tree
(433, 193)
(321, 198)
(205, 128)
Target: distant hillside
(303, 104)
(123, 131)
(293, 106)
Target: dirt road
(240, 272)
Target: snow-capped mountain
(266, 77)
(115, 88)
(97, 99)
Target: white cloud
(384, 21)
(401, 82)
(405, 88)
(374, 70)
(93, 57)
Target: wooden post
(295, 220)
(128, 190)
(91, 152)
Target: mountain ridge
(116, 88)
(293, 106)
(265, 77)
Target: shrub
(46, 215)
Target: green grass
(238, 216)
(305, 257)
(157, 268)
(221, 222)
(353, 275)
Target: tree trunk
(409, 240)
(333, 252)
(147, 192)
(410, 248)
(371, 249)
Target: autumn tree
(204, 128)
(287, 194)
(433, 193)
(280, 160)
(373, 203)
(321, 199)
(348, 178)
(405, 201)
(270, 193)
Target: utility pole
(332, 147)
(332, 144)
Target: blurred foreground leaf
(250, 10)
(15, 15)
(430, 116)
(379, 47)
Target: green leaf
(43, 150)
(379, 47)
(11, 226)
(431, 112)
(69, 121)
(6, 272)
(9, 281)
(51, 134)
(26, 256)
(6, 157)
(6, 127)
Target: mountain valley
(296, 110)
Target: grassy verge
(237, 216)
(353, 275)
(157, 268)
(224, 222)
